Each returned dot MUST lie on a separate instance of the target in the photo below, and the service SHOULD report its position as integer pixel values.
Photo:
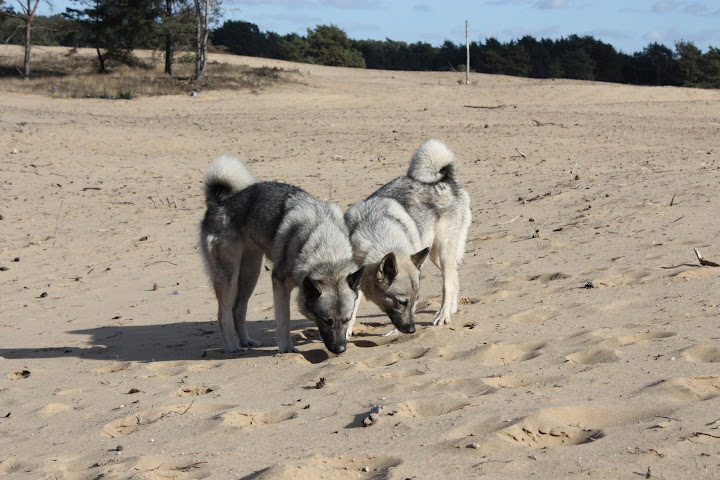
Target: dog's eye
(403, 303)
(346, 320)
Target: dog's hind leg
(447, 261)
(225, 283)
(247, 279)
(281, 294)
(456, 293)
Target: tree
(28, 8)
(662, 62)
(176, 29)
(117, 27)
(710, 68)
(329, 45)
(202, 33)
(504, 59)
(688, 57)
(169, 40)
(241, 38)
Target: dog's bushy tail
(433, 162)
(225, 177)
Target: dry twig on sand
(57, 222)
(703, 262)
(489, 107)
(521, 154)
(542, 124)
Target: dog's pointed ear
(354, 278)
(420, 257)
(387, 269)
(311, 288)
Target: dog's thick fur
(424, 213)
(306, 240)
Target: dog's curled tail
(433, 162)
(225, 177)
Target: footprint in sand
(433, 406)
(192, 391)
(536, 314)
(55, 408)
(376, 467)
(629, 339)
(115, 367)
(146, 418)
(500, 354)
(461, 387)
(167, 369)
(557, 436)
(19, 375)
(592, 356)
(242, 419)
(684, 389)
(701, 354)
(574, 425)
(566, 426)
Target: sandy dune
(587, 342)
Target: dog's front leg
(281, 294)
(354, 315)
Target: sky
(628, 25)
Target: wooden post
(467, 56)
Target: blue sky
(628, 25)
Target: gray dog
(306, 240)
(395, 228)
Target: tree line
(574, 57)
(116, 27)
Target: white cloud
(352, 4)
(665, 6)
(551, 4)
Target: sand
(587, 342)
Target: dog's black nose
(410, 329)
(338, 349)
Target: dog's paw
(234, 349)
(392, 332)
(288, 349)
(249, 342)
(442, 319)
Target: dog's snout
(338, 349)
(410, 329)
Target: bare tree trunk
(202, 32)
(101, 61)
(467, 53)
(29, 11)
(169, 42)
(206, 34)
